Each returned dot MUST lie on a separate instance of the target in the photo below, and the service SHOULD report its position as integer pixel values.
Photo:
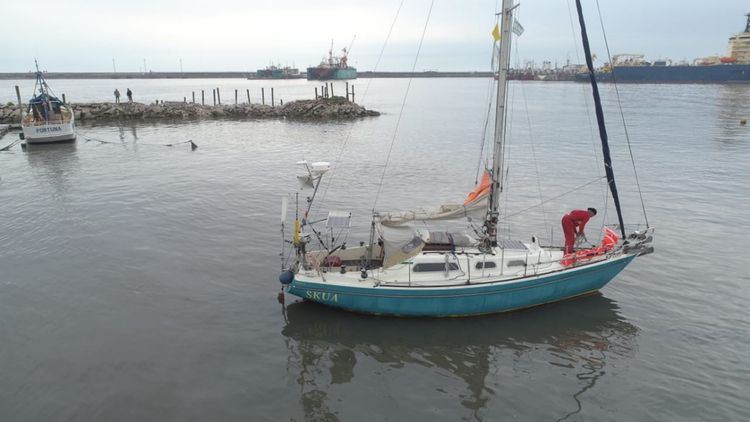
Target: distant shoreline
(228, 75)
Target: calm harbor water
(138, 282)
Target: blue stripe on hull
(720, 73)
(463, 301)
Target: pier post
(248, 96)
(332, 89)
(213, 91)
(347, 91)
(235, 97)
(272, 102)
(193, 97)
(20, 105)
(316, 93)
(184, 100)
(352, 92)
(203, 98)
(218, 95)
(263, 96)
(64, 101)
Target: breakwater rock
(320, 109)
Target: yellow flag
(496, 33)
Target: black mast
(600, 119)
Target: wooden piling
(218, 95)
(347, 91)
(248, 96)
(193, 97)
(64, 102)
(352, 92)
(213, 91)
(263, 96)
(184, 100)
(20, 105)
(272, 102)
(235, 97)
(316, 93)
(332, 89)
(203, 98)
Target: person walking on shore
(117, 96)
(130, 95)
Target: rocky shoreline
(320, 109)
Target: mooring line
(193, 146)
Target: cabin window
(488, 264)
(434, 266)
(516, 263)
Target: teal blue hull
(467, 300)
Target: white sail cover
(401, 243)
(401, 240)
(476, 210)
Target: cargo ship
(632, 68)
(277, 72)
(332, 68)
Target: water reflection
(122, 134)
(732, 106)
(578, 336)
(53, 163)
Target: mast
(600, 120)
(498, 154)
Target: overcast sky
(242, 35)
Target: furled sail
(474, 208)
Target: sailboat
(47, 119)
(405, 270)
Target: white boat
(47, 118)
(407, 270)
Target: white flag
(517, 28)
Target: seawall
(320, 109)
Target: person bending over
(573, 224)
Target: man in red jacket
(573, 224)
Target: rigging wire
(403, 104)
(533, 150)
(329, 180)
(622, 114)
(490, 89)
(557, 197)
(597, 159)
(596, 148)
(489, 99)
(510, 94)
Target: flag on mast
(517, 28)
(496, 32)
